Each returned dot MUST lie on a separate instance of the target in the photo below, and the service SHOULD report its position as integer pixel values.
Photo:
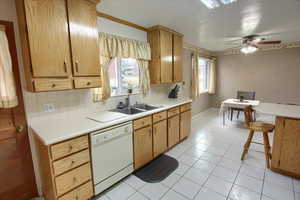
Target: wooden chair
(247, 96)
(264, 128)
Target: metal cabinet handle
(65, 66)
(76, 65)
(53, 85)
(19, 128)
(88, 83)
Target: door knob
(19, 128)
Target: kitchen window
(204, 69)
(123, 75)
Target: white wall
(111, 27)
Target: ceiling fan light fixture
(211, 4)
(247, 49)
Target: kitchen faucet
(127, 99)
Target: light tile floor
(210, 168)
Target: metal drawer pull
(53, 85)
(76, 65)
(19, 128)
(65, 66)
(88, 83)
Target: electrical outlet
(48, 107)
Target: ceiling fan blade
(269, 42)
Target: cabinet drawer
(72, 179)
(91, 82)
(173, 111)
(140, 123)
(159, 116)
(81, 193)
(69, 147)
(185, 107)
(43, 85)
(71, 162)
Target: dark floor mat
(158, 169)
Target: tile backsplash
(64, 101)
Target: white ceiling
(212, 29)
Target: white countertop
(58, 127)
(281, 110)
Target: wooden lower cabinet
(185, 124)
(160, 138)
(65, 169)
(143, 151)
(173, 130)
(286, 147)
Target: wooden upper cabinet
(84, 37)
(177, 58)
(166, 50)
(166, 66)
(59, 44)
(47, 24)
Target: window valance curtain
(112, 46)
(116, 46)
(8, 95)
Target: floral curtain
(103, 93)
(8, 95)
(212, 77)
(195, 76)
(112, 46)
(144, 76)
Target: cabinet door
(173, 130)
(166, 50)
(185, 124)
(48, 35)
(84, 37)
(160, 143)
(177, 58)
(142, 147)
(290, 147)
(154, 64)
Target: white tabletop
(236, 103)
(281, 110)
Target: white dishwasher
(112, 155)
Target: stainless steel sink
(145, 106)
(135, 109)
(129, 110)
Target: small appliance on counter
(173, 94)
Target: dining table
(236, 103)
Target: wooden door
(166, 50)
(290, 147)
(143, 152)
(84, 37)
(48, 33)
(16, 167)
(177, 58)
(160, 138)
(173, 131)
(185, 124)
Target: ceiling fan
(251, 43)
